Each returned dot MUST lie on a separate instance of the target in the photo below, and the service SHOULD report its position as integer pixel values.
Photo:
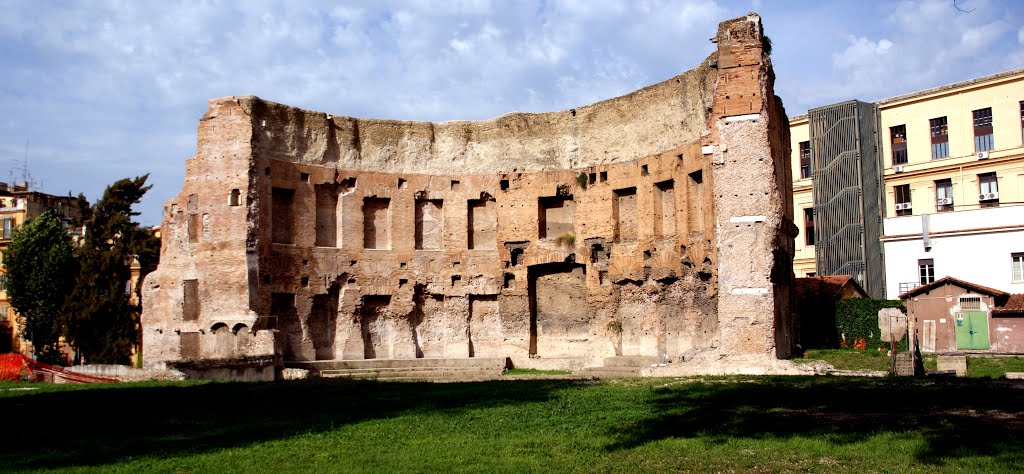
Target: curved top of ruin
(644, 122)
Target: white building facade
(983, 246)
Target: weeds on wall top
(567, 239)
(581, 180)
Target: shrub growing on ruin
(567, 240)
(581, 180)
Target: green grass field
(822, 424)
(994, 367)
(849, 359)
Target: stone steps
(413, 372)
(621, 366)
(398, 363)
(602, 372)
(407, 370)
(423, 376)
(631, 361)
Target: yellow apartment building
(955, 147)
(803, 199)
(17, 205)
(951, 148)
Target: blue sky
(100, 90)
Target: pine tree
(41, 271)
(101, 322)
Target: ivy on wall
(858, 318)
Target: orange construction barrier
(18, 367)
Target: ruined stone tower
(652, 224)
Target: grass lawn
(851, 359)
(994, 367)
(817, 424)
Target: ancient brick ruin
(652, 224)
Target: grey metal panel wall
(872, 197)
(847, 192)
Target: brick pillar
(752, 191)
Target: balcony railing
(907, 286)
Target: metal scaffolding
(847, 186)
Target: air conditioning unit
(898, 168)
(944, 201)
(903, 206)
(988, 196)
(982, 155)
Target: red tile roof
(1013, 305)
(955, 282)
(832, 284)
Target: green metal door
(972, 330)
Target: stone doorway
(559, 313)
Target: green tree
(41, 271)
(101, 322)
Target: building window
(988, 190)
(5, 313)
(983, 129)
(926, 270)
(3, 282)
(809, 226)
(1022, 121)
(8, 228)
(898, 138)
(940, 137)
(805, 159)
(903, 206)
(811, 274)
(970, 303)
(944, 195)
(1017, 265)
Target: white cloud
(861, 52)
(460, 45)
(917, 45)
(107, 89)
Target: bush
(858, 318)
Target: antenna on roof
(26, 177)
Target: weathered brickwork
(652, 224)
